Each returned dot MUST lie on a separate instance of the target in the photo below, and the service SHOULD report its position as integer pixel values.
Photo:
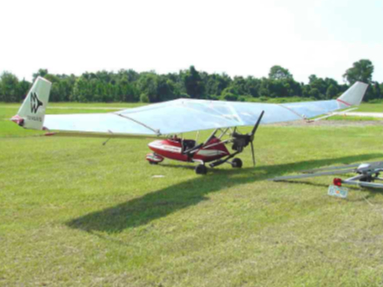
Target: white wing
(186, 115)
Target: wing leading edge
(186, 115)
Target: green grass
(76, 213)
(353, 118)
(366, 107)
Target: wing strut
(126, 117)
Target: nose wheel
(236, 163)
(154, 158)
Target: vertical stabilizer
(32, 112)
(353, 96)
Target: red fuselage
(174, 148)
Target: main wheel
(367, 179)
(152, 162)
(200, 169)
(236, 163)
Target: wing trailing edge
(174, 117)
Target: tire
(367, 179)
(153, 162)
(201, 169)
(236, 163)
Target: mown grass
(353, 118)
(76, 213)
(367, 107)
(364, 107)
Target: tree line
(131, 86)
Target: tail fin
(32, 112)
(353, 96)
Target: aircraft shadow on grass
(157, 204)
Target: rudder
(354, 95)
(32, 112)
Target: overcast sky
(322, 37)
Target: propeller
(252, 152)
(251, 135)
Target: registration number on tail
(337, 191)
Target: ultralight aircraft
(171, 119)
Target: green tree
(314, 93)
(331, 92)
(167, 89)
(22, 90)
(147, 84)
(130, 75)
(193, 83)
(230, 93)
(229, 97)
(55, 91)
(327, 88)
(312, 78)
(8, 88)
(264, 88)
(127, 92)
(360, 71)
(376, 90)
(65, 86)
(41, 73)
(252, 86)
(144, 98)
(215, 83)
(279, 73)
(238, 86)
(81, 91)
(306, 91)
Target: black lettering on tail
(35, 103)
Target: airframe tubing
(331, 168)
(158, 133)
(311, 175)
(100, 135)
(362, 183)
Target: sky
(239, 38)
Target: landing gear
(370, 178)
(236, 163)
(201, 169)
(154, 158)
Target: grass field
(366, 107)
(76, 213)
